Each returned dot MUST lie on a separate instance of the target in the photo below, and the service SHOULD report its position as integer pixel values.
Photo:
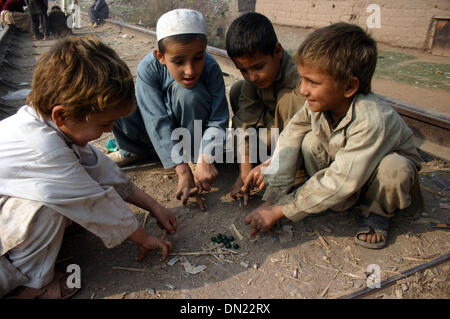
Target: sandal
(374, 223)
(53, 290)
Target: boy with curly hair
(50, 175)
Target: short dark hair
(181, 38)
(343, 50)
(251, 33)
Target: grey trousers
(31, 264)
(392, 186)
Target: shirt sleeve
(281, 172)
(352, 167)
(157, 121)
(61, 182)
(251, 114)
(217, 122)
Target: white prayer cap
(180, 21)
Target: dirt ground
(314, 258)
(320, 250)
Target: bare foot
(371, 237)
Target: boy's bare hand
(186, 186)
(236, 189)
(205, 174)
(245, 169)
(152, 243)
(263, 218)
(166, 219)
(254, 179)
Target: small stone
(428, 273)
(358, 284)
(404, 287)
(151, 291)
(173, 261)
(399, 293)
(295, 274)
(398, 259)
(255, 266)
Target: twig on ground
(237, 232)
(416, 259)
(131, 269)
(205, 252)
(322, 240)
(344, 273)
(290, 277)
(431, 191)
(145, 219)
(324, 292)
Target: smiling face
(260, 69)
(82, 132)
(184, 61)
(323, 92)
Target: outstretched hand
(205, 174)
(248, 181)
(166, 220)
(186, 186)
(263, 218)
(152, 243)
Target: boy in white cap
(178, 85)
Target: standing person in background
(13, 14)
(39, 17)
(57, 22)
(98, 12)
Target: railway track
(18, 54)
(431, 129)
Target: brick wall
(405, 23)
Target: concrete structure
(404, 23)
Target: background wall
(405, 23)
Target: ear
(279, 51)
(352, 87)
(160, 57)
(58, 115)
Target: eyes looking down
(259, 68)
(184, 61)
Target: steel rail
(431, 129)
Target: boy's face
(184, 61)
(260, 69)
(82, 132)
(322, 91)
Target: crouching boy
(356, 149)
(52, 176)
(262, 99)
(180, 93)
